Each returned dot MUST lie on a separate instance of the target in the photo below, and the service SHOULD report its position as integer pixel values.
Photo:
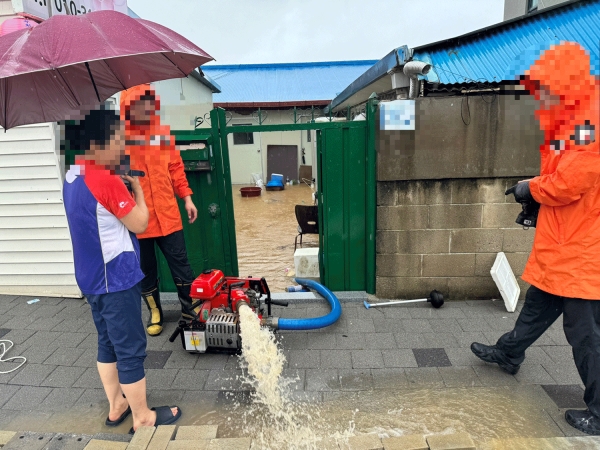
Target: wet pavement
(266, 227)
(394, 371)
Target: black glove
(521, 192)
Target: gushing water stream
(273, 420)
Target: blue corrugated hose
(314, 322)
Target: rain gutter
(380, 69)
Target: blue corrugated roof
(489, 54)
(272, 83)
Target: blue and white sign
(397, 115)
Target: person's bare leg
(136, 395)
(112, 388)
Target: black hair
(98, 126)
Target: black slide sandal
(164, 416)
(119, 421)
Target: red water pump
(216, 326)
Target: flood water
(266, 227)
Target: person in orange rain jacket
(564, 266)
(152, 150)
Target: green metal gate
(347, 195)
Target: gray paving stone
(463, 357)
(225, 380)
(356, 379)
(436, 340)
(156, 359)
(386, 325)
(416, 326)
(321, 341)
(112, 437)
(465, 339)
(361, 325)
(90, 341)
(397, 312)
(537, 355)
(18, 337)
(64, 356)
(380, 341)
(6, 392)
(61, 399)
(180, 359)
(90, 379)
(72, 340)
(160, 378)
(167, 396)
(36, 355)
(533, 374)
(190, 379)
(475, 324)
(46, 323)
(563, 373)
(544, 339)
(424, 376)
(63, 376)
(319, 380)
(293, 341)
(408, 340)
(445, 325)
(492, 375)
(210, 361)
(389, 378)
(92, 397)
(350, 341)
(42, 339)
(336, 359)
(566, 396)
(31, 374)
(431, 357)
(83, 324)
(559, 354)
(4, 331)
(27, 398)
(367, 359)
(19, 322)
(88, 358)
(303, 359)
(402, 357)
(459, 376)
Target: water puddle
(266, 227)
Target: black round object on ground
(436, 299)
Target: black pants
(173, 248)
(581, 323)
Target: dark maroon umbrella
(68, 63)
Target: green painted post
(230, 220)
(371, 190)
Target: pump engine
(215, 327)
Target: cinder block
(483, 264)
(518, 240)
(399, 265)
(448, 217)
(501, 215)
(458, 441)
(306, 262)
(365, 442)
(411, 193)
(424, 241)
(141, 438)
(476, 241)
(387, 193)
(480, 190)
(387, 242)
(197, 432)
(517, 262)
(509, 182)
(402, 217)
(451, 265)
(409, 287)
(472, 288)
(408, 442)
(162, 437)
(98, 444)
(188, 445)
(6, 436)
(230, 444)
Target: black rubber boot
(155, 322)
(183, 292)
(584, 421)
(490, 354)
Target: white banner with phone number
(41, 8)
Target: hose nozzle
(270, 322)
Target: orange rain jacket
(152, 150)
(565, 259)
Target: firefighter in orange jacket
(152, 150)
(564, 266)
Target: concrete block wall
(444, 235)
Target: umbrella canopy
(69, 63)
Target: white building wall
(246, 159)
(36, 256)
(182, 100)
